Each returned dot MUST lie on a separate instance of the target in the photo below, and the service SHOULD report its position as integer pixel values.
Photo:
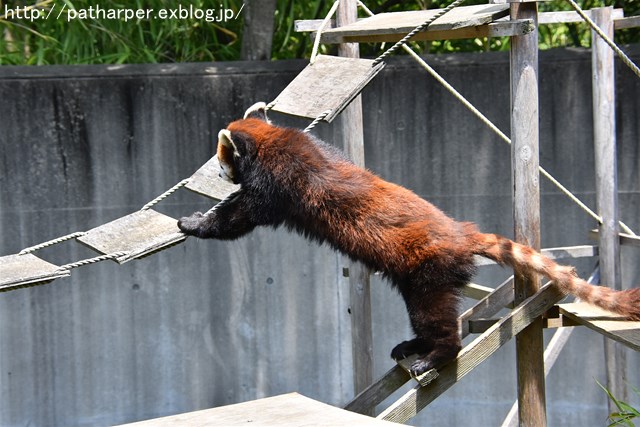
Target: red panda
(288, 177)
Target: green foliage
(59, 37)
(64, 39)
(626, 413)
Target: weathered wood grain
(473, 354)
(327, 85)
(608, 324)
(27, 269)
(138, 234)
(287, 410)
(404, 22)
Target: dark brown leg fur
(433, 316)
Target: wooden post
(359, 275)
(604, 133)
(526, 209)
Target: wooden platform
(287, 410)
(461, 22)
(27, 269)
(608, 324)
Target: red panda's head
(242, 139)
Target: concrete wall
(210, 323)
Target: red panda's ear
(257, 111)
(226, 144)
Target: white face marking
(226, 172)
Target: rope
(493, 127)
(325, 21)
(230, 198)
(51, 242)
(165, 194)
(317, 120)
(623, 56)
(91, 260)
(415, 31)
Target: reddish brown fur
(290, 178)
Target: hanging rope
(230, 198)
(623, 56)
(91, 260)
(415, 31)
(317, 120)
(325, 22)
(165, 194)
(51, 242)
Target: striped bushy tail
(520, 257)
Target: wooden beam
(567, 17)
(359, 276)
(628, 22)
(473, 354)
(604, 133)
(366, 401)
(526, 210)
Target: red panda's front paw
(191, 225)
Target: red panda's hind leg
(433, 316)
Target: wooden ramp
(287, 410)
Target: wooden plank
(327, 85)
(473, 354)
(404, 22)
(565, 252)
(138, 234)
(207, 182)
(496, 29)
(568, 17)
(475, 291)
(384, 387)
(609, 324)
(488, 306)
(24, 270)
(500, 28)
(287, 410)
(397, 376)
(625, 239)
(628, 22)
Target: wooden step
(207, 182)
(25, 270)
(326, 86)
(138, 234)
